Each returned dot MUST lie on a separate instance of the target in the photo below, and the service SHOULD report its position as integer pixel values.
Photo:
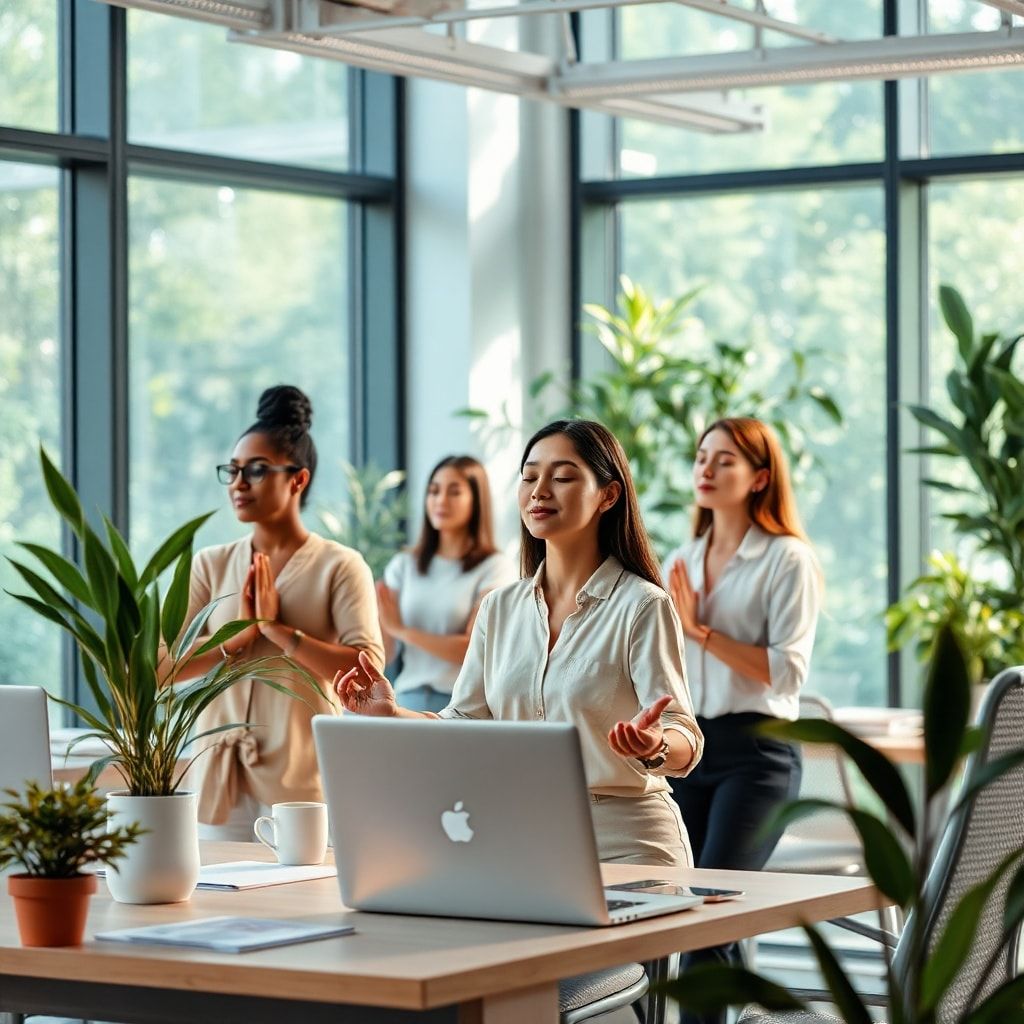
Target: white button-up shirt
(769, 595)
(617, 653)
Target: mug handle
(260, 836)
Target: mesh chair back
(976, 839)
(825, 777)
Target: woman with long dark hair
(315, 602)
(747, 589)
(588, 636)
(430, 594)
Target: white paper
(254, 874)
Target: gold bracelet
(225, 653)
(293, 644)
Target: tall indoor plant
(981, 439)
(133, 645)
(659, 391)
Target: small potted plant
(53, 834)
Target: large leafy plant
(134, 645)
(982, 440)
(56, 833)
(373, 518)
(662, 388)
(948, 593)
(898, 852)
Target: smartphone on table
(666, 887)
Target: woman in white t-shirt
(430, 594)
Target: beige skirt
(640, 830)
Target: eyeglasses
(254, 473)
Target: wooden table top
(409, 962)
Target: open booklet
(228, 934)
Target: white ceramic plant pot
(163, 866)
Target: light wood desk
(394, 969)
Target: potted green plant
(133, 644)
(948, 593)
(899, 845)
(54, 835)
(372, 519)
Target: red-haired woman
(747, 588)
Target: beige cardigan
(326, 590)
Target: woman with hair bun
(430, 594)
(315, 602)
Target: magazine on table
(228, 934)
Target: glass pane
(30, 407)
(231, 99)
(800, 270)
(28, 67)
(975, 236)
(979, 112)
(231, 291)
(829, 123)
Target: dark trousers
(741, 779)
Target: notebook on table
(228, 934)
(468, 819)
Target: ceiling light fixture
(887, 58)
(712, 114)
(237, 14)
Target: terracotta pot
(51, 911)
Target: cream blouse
(617, 653)
(326, 590)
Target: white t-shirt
(439, 602)
(768, 594)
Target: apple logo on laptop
(456, 824)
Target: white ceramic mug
(299, 832)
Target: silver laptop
(468, 819)
(24, 737)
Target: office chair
(976, 838)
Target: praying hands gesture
(684, 598)
(643, 736)
(267, 603)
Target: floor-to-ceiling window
(826, 233)
(184, 221)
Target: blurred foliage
(992, 639)
(983, 436)
(899, 845)
(55, 833)
(372, 518)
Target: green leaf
(827, 403)
(984, 775)
(710, 988)
(101, 572)
(958, 319)
(176, 599)
(63, 571)
(846, 999)
(62, 494)
(1004, 1006)
(171, 549)
(1013, 909)
(878, 771)
(946, 705)
(884, 858)
(121, 554)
